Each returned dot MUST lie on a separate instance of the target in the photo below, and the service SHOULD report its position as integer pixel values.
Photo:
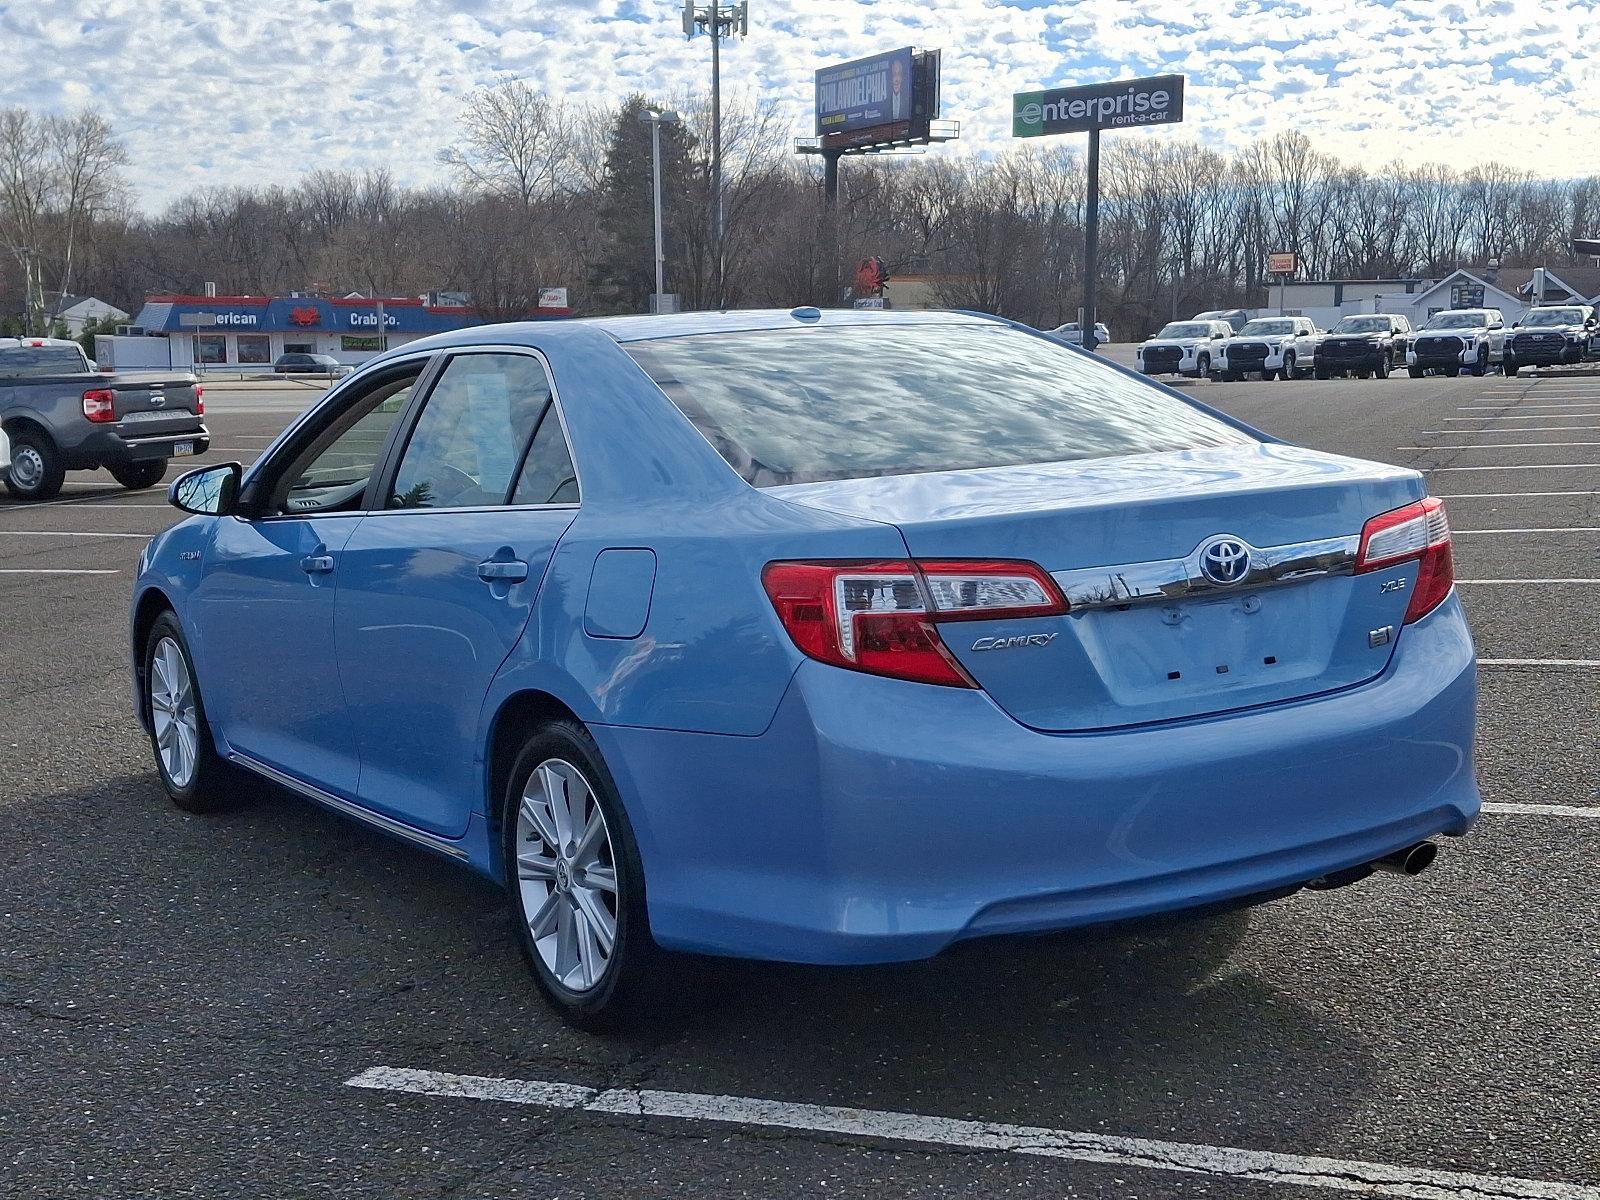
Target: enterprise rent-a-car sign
(866, 92)
(1126, 104)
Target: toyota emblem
(1225, 560)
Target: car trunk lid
(1149, 637)
(153, 403)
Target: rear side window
(41, 360)
(464, 448)
(798, 406)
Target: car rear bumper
(107, 447)
(878, 821)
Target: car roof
(36, 343)
(646, 327)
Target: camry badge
(1012, 643)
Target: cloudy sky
(221, 92)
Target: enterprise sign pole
(1125, 104)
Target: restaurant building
(246, 332)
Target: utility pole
(719, 21)
(1087, 337)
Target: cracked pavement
(182, 998)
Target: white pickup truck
(1182, 348)
(1457, 340)
(1277, 347)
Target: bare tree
(519, 143)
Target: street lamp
(656, 120)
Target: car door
(435, 590)
(263, 611)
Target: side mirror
(1217, 337)
(207, 491)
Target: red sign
(305, 315)
(1281, 264)
(871, 275)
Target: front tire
(139, 475)
(1203, 367)
(1480, 368)
(575, 880)
(1510, 368)
(1286, 372)
(1383, 368)
(194, 774)
(1416, 372)
(37, 467)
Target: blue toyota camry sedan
(829, 637)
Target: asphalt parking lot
(185, 1001)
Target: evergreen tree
(624, 271)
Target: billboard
(866, 92)
(1281, 264)
(1125, 104)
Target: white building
(77, 313)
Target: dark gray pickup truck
(61, 415)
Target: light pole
(657, 120)
(720, 21)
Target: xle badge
(1011, 643)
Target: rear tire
(1416, 372)
(193, 773)
(578, 880)
(139, 475)
(1452, 371)
(37, 467)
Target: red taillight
(880, 617)
(99, 405)
(199, 401)
(1419, 531)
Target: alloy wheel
(567, 875)
(173, 713)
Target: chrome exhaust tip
(1413, 860)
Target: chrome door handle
(496, 569)
(317, 564)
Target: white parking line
(1545, 810)
(1508, 495)
(1532, 529)
(1367, 1178)
(54, 571)
(50, 533)
(1524, 467)
(1528, 417)
(1539, 662)
(1518, 429)
(1496, 445)
(1521, 581)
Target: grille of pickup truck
(1439, 347)
(1162, 358)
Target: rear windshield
(42, 360)
(798, 406)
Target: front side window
(797, 406)
(331, 475)
(466, 444)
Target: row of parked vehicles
(1469, 340)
